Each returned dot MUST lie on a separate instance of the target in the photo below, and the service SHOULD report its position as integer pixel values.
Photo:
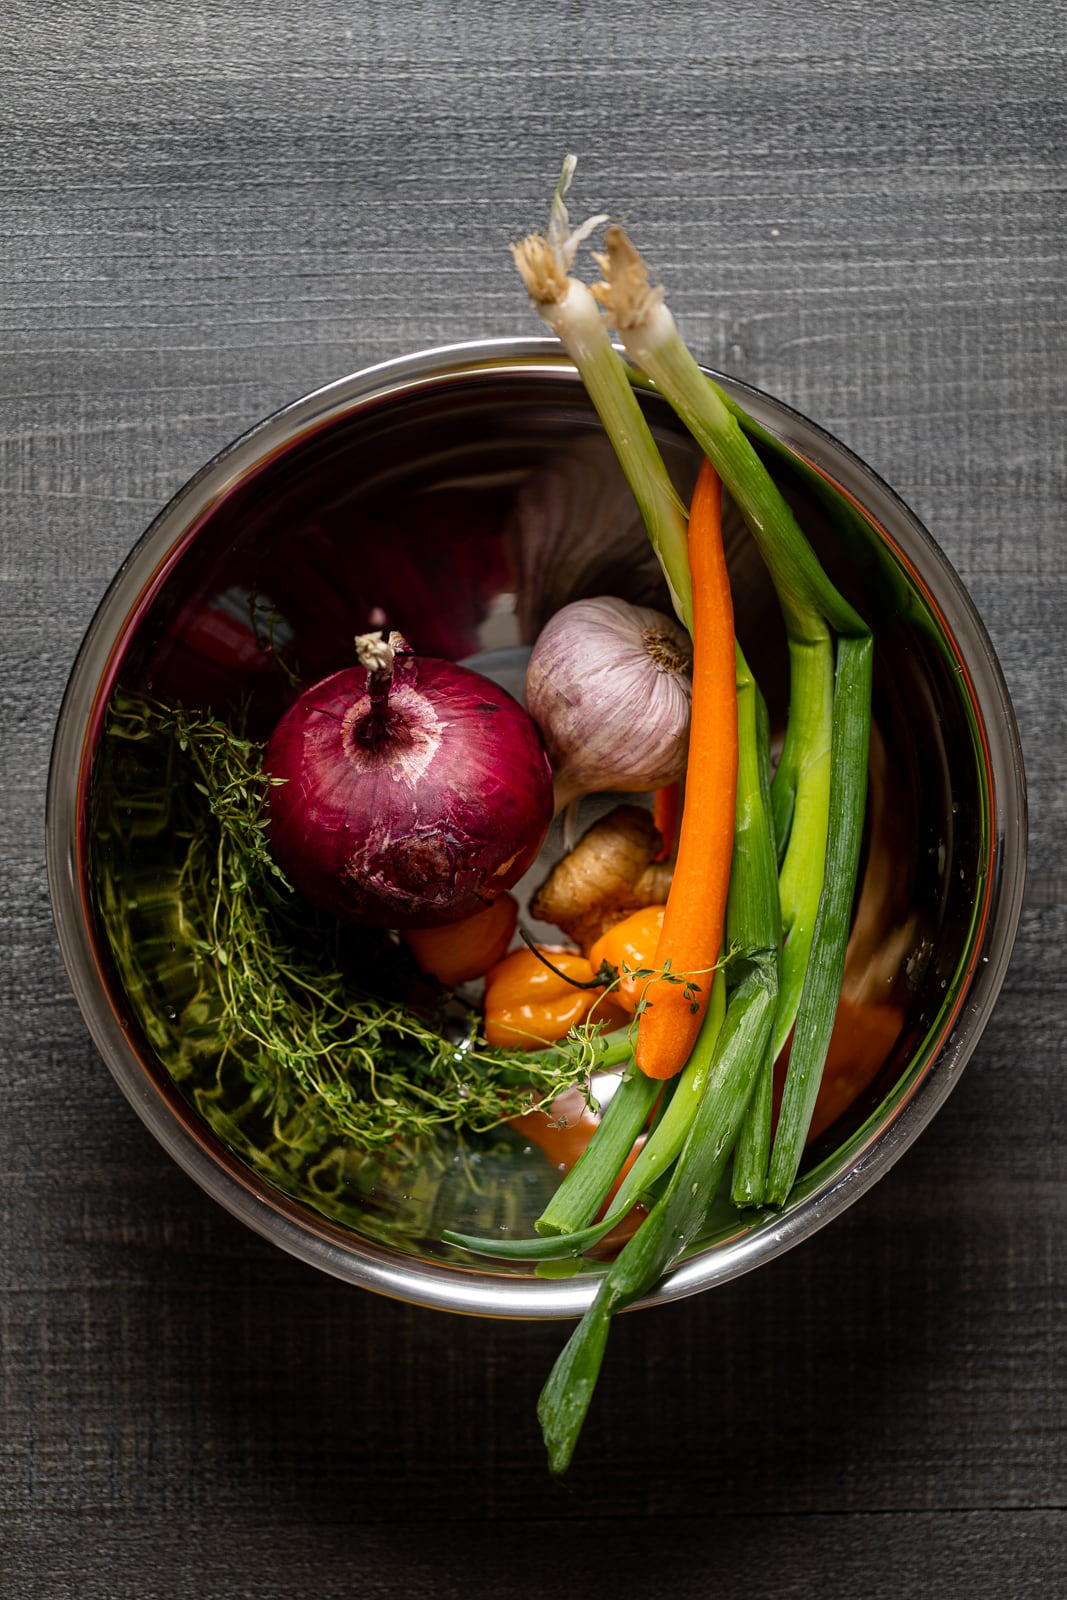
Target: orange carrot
(666, 803)
(696, 906)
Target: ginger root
(610, 873)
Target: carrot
(696, 905)
(666, 803)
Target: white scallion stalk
(568, 307)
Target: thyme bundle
(234, 976)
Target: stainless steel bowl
(469, 491)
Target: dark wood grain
(210, 210)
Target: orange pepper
(863, 1036)
(459, 951)
(527, 1005)
(631, 942)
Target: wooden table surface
(211, 209)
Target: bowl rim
(354, 1259)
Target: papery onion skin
(415, 817)
(611, 718)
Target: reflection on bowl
(462, 496)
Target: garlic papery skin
(608, 684)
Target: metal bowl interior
(467, 493)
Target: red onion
(415, 791)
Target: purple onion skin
(414, 816)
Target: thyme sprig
(319, 1020)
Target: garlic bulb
(608, 685)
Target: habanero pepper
(459, 951)
(528, 1005)
(629, 944)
